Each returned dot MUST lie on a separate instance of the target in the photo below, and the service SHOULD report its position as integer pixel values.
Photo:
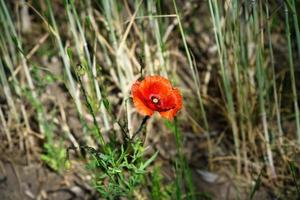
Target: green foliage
(251, 86)
(159, 190)
(183, 173)
(55, 156)
(54, 152)
(119, 171)
(256, 186)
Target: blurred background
(66, 70)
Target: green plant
(119, 171)
(248, 114)
(183, 173)
(55, 156)
(118, 168)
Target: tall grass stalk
(276, 103)
(238, 49)
(222, 52)
(196, 83)
(7, 92)
(14, 40)
(155, 24)
(296, 24)
(28, 91)
(8, 59)
(124, 68)
(246, 103)
(183, 174)
(86, 58)
(66, 62)
(262, 82)
(10, 66)
(6, 129)
(292, 70)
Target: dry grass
(236, 65)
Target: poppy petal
(178, 99)
(138, 100)
(168, 102)
(168, 114)
(155, 85)
(178, 104)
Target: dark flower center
(155, 100)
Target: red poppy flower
(155, 93)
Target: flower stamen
(155, 100)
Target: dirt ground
(23, 180)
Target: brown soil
(22, 180)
